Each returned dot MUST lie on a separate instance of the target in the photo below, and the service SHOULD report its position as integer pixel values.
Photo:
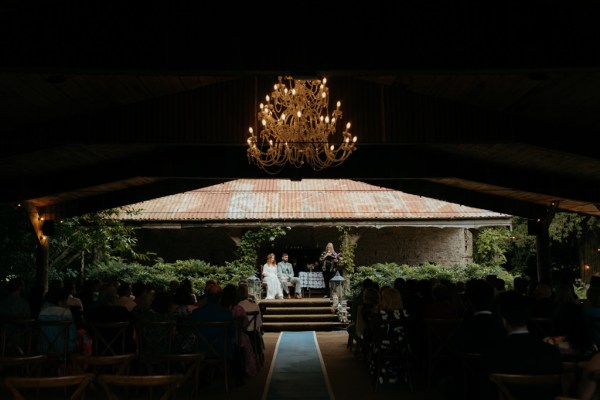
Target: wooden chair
(140, 386)
(256, 336)
(53, 340)
(22, 366)
(189, 366)
(17, 337)
(441, 343)
(214, 338)
(516, 387)
(470, 365)
(18, 386)
(120, 364)
(110, 338)
(154, 338)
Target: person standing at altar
(329, 263)
(269, 276)
(285, 273)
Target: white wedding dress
(269, 274)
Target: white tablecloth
(312, 280)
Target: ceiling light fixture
(296, 128)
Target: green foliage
(347, 249)
(91, 239)
(520, 255)
(490, 246)
(159, 275)
(247, 251)
(385, 274)
(18, 245)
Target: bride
(269, 276)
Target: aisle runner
(297, 370)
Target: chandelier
(296, 128)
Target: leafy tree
(91, 239)
(347, 249)
(490, 247)
(18, 245)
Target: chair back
(19, 385)
(110, 338)
(22, 366)
(215, 340)
(255, 332)
(516, 386)
(17, 337)
(147, 386)
(120, 364)
(155, 337)
(441, 343)
(471, 373)
(53, 340)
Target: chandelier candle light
(296, 128)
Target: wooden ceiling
(491, 107)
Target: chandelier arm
(297, 127)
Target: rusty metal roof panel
(312, 199)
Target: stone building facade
(388, 226)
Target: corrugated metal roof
(309, 199)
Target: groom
(285, 273)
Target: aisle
(348, 375)
(297, 360)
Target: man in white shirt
(285, 273)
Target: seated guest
(571, 331)
(126, 297)
(478, 333)
(520, 352)
(14, 305)
(106, 310)
(245, 363)
(55, 308)
(213, 310)
(285, 273)
(481, 329)
(389, 310)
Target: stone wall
(404, 245)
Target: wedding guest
(126, 297)
(247, 360)
(520, 352)
(14, 305)
(390, 309)
(55, 309)
(105, 310)
(213, 310)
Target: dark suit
(479, 333)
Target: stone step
(303, 326)
(312, 314)
(299, 310)
(297, 318)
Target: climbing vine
(247, 250)
(347, 249)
